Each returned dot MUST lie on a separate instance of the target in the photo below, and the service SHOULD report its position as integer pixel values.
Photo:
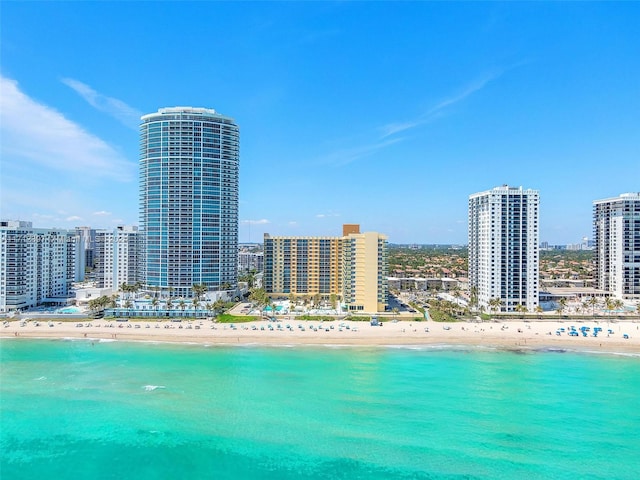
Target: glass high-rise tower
(189, 161)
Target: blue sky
(385, 114)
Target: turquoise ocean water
(77, 409)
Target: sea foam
(151, 388)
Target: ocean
(120, 410)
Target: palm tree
(199, 290)
(168, 304)
(154, 304)
(521, 309)
(562, 305)
(218, 306)
(135, 287)
(539, 311)
(259, 297)
(333, 298)
(111, 301)
(395, 311)
(495, 304)
(182, 304)
(593, 302)
(473, 298)
(124, 288)
(196, 303)
(609, 304)
(618, 304)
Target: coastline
(511, 335)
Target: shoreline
(512, 335)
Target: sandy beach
(507, 335)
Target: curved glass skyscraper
(189, 159)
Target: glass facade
(189, 163)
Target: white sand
(512, 334)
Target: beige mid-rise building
(352, 268)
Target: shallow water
(81, 409)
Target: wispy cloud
(101, 213)
(73, 218)
(349, 155)
(325, 215)
(41, 136)
(122, 112)
(262, 221)
(436, 110)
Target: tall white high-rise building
(118, 257)
(503, 247)
(37, 265)
(189, 165)
(616, 232)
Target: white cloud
(122, 112)
(325, 215)
(101, 213)
(293, 223)
(349, 155)
(73, 218)
(255, 222)
(436, 110)
(43, 137)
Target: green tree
(562, 305)
(333, 298)
(218, 306)
(609, 304)
(199, 289)
(495, 304)
(154, 304)
(522, 309)
(473, 298)
(593, 302)
(259, 298)
(618, 304)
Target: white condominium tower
(37, 265)
(118, 257)
(616, 231)
(189, 161)
(503, 247)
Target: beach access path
(620, 336)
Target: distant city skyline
(384, 114)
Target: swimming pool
(68, 310)
(278, 308)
